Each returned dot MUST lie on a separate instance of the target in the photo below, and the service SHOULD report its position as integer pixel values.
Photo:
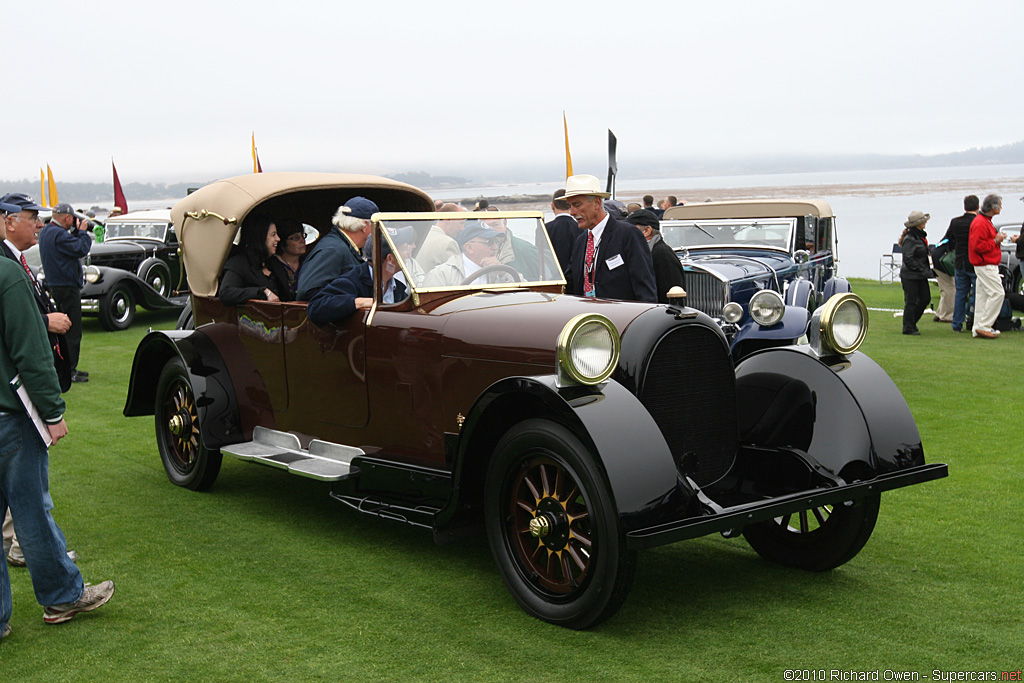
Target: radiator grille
(689, 389)
(706, 293)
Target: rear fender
(211, 383)
(609, 420)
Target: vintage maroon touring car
(573, 432)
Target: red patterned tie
(25, 264)
(588, 266)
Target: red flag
(119, 200)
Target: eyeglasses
(296, 237)
(493, 243)
(29, 219)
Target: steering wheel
(492, 269)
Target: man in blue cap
(61, 247)
(339, 251)
(24, 488)
(353, 291)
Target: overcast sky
(172, 91)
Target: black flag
(613, 166)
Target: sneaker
(83, 373)
(984, 334)
(6, 632)
(92, 597)
(79, 377)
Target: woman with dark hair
(915, 271)
(290, 251)
(253, 272)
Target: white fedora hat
(576, 185)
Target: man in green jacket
(24, 460)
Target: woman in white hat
(915, 271)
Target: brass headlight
(839, 326)
(92, 274)
(588, 350)
(767, 307)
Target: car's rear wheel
(117, 308)
(187, 461)
(818, 539)
(553, 528)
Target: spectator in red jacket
(985, 255)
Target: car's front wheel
(553, 528)
(156, 275)
(187, 461)
(818, 539)
(117, 308)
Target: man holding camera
(62, 244)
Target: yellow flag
(53, 187)
(256, 167)
(42, 186)
(568, 157)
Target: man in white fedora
(610, 260)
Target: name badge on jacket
(614, 262)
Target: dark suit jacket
(633, 280)
(59, 344)
(668, 271)
(563, 231)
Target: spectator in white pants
(985, 255)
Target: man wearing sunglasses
(480, 247)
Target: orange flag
(256, 168)
(54, 201)
(42, 186)
(568, 157)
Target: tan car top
(761, 208)
(207, 220)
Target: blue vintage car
(759, 268)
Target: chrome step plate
(323, 460)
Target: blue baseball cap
(6, 208)
(21, 202)
(360, 207)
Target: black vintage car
(758, 267)
(138, 263)
(573, 432)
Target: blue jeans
(25, 488)
(964, 301)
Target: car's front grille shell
(689, 389)
(705, 292)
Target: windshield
(152, 231)
(774, 233)
(472, 249)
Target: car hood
(528, 323)
(733, 266)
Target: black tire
(185, 320)
(158, 276)
(580, 572)
(117, 308)
(822, 539)
(187, 461)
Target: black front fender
(143, 293)
(609, 420)
(841, 410)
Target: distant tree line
(426, 181)
(78, 193)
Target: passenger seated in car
(339, 250)
(291, 251)
(353, 291)
(514, 251)
(253, 272)
(479, 250)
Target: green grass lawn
(264, 578)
